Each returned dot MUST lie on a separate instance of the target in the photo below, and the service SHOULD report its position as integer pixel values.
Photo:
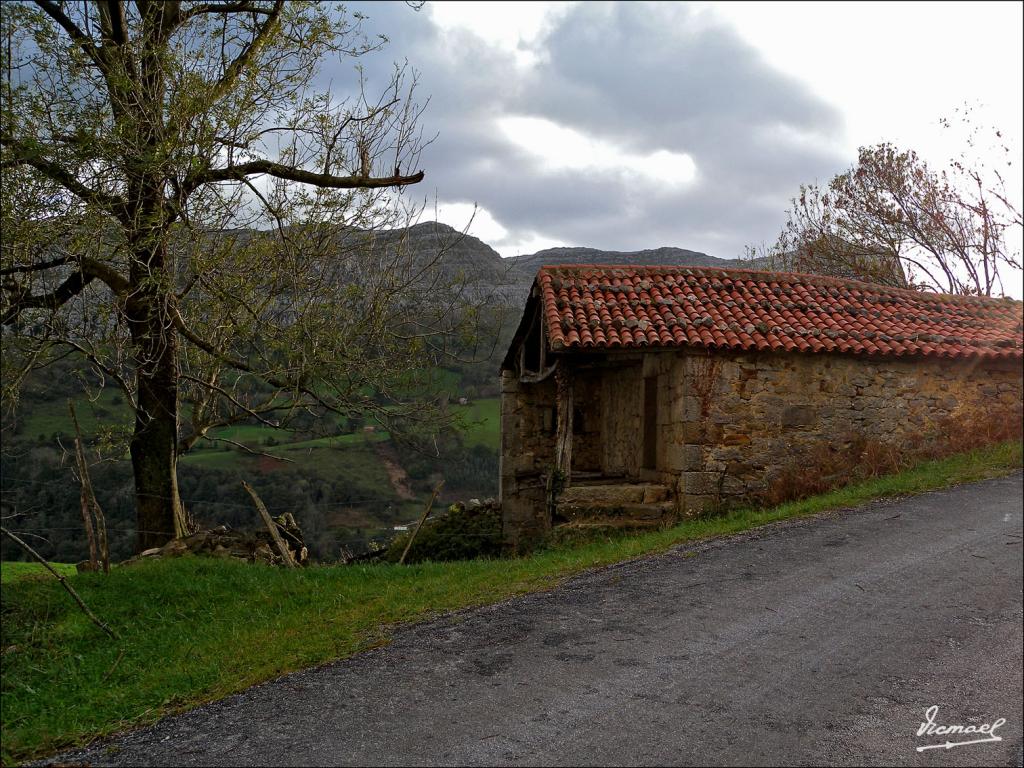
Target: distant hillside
(458, 252)
(656, 256)
(483, 265)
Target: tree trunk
(154, 444)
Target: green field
(482, 419)
(361, 497)
(348, 454)
(197, 629)
(51, 417)
(353, 463)
(11, 571)
(249, 434)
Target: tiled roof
(604, 306)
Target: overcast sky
(627, 125)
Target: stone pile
(222, 541)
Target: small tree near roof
(892, 219)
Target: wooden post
(423, 518)
(268, 521)
(563, 438)
(84, 493)
(89, 501)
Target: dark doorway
(651, 422)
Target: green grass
(333, 441)
(52, 416)
(249, 434)
(11, 571)
(483, 422)
(197, 629)
(335, 454)
(356, 461)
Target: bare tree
(891, 219)
(182, 207)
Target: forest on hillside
(347, 481)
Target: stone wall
(741, 421)
(731, 425)
(527, 450)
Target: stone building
(639, 394)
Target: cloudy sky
(628, 125)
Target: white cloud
(480, 222)
(894, 69)
(897, 68)
(527, 242)
(557, 148)
(575, 123)
(515, 27)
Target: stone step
(610, 524)
(636, 512)
(613, 495)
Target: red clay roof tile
(628, 306)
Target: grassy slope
(483, 421)
(11, 571)
(48, 418)
(52, 417)
(196, 629)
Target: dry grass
(855, 457)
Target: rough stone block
(734, 486)
(797, 416)
(694, 433)
(739, 468)
(524, 462)
(655, 494)
(684, 458)
(606, 495)
(694, 505)
(700, 482)
(732, 437)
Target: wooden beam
(268, 521)
(542, 338)
(563, 439)
(422, 520)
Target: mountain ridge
(484, 264)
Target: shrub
(461, 533)
(857, 457)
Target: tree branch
(225, 7)
(25, 155)
(246, 448)
(278, 170)
(88, 270)
(17, 268)
(234, 69)
(241, 365)
(83, 41)
(116, 282)
(118, 24)
(52, 301)
(63, 582)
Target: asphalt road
(818, 642)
